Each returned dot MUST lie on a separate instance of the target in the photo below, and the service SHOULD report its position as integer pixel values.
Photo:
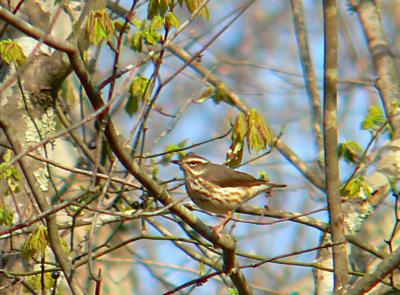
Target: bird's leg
(224, 222)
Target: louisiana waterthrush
(218, 188)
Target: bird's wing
(225, 177)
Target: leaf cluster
(374, 119)
(99, 26)
(217, 94)
(139, 91)
(251, 129)
(174, 149)
(147, 33)
(36, 243)
(357, 187)
(6, 217)
(162, 7)
(161, 14)
(233, 291)
(35, 281)
(10, 175)
(350, 151)
(192, 5)
(11, 52)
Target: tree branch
(340, 259)
(369, 281)
(387, 82)
(234, 99)
(226, 242)
(44, 206)
(308, 73)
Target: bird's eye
(192, 164)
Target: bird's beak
(176, 162)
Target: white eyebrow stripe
(197, 160)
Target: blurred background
(268, 53)
(257, 57)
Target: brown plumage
(217, 188)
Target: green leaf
(352, 188)
(205, 95)
(233, 291)
(11, 52)
(374, 119)
(350, 151)
(170, 150)
(11, 174)
(171, 20)
(148, 32)
(157, 8)
(137, 41)
(394, 105)
(118, 25)
(255, 130)
(100, 27)
(240, 128)
(202, 268)
(156, 24)
(6, 217)
(221, 94)
(35, 281)
(7, 156)
(263, 175)
(152, 38)
(132, 105)
(205, 13)
(357, 187)
(154, 169)
(137, 22)
(259, 135)
(234, 155)
(235, 152)
(36, 243)
(152, 8)
(163, 8)
(192, 5)
(138, 90)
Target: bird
(219, 189)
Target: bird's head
(192, 164)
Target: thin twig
(308, 74)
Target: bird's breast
(214, 198)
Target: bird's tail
(272, 187)
(277, 185)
